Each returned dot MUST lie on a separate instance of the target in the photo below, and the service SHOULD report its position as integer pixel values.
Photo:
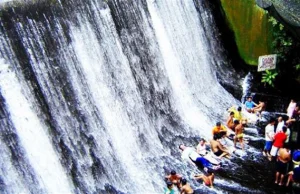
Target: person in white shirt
(280, 124)
(190, 154)
(269, 134)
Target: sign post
(266, 62)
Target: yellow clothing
(237, 115)
(240, 136)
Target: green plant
(268, 77)
(282, 43)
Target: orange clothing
(218, 129)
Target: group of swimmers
(220, 147)
(210, 162)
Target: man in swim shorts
(239, 134)
(283, 158)
(217, 148)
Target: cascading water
(97, 95)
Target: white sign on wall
(266, 62)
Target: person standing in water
(239, 134)
(186, 187)
(269, 135)
(174, 178)
(170, 188)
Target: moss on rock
(251, 28)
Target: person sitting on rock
(249, 105)
(217, 148)
(208, 178)
(218, 128)
(229, 122)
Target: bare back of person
(239, 135)
(214, 145)
(187, 189)
(284, 155)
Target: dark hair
(231, 113)
(173, 172)
(169, 183)
(222, 133)
(272, 119)
(239, 108)
(236, 122)
(216, 136)
(218, 123)
(209, 172)
(284, 128)
(183, 181)
(202, 139)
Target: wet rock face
(286, 10)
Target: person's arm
(210, 178)
(182, 190)
(228, 121)
(222, 148)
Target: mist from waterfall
(97, 95)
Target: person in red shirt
(278, 142)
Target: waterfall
(96, 95)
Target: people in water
(218, 128)
(259, 107)
(237, 112)
(170, 188)
(283, 158)
(208, 178)
(189, 154)
(239, 134)
(249, 105)
(230, 121)
(202, 151)
(174, 178)
(201, 147)
(217, 148)
(185, 187)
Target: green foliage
(282, 43)
(268, 77)
(297, 67)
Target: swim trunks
(240, 136)
(281, 167)
(218, 153)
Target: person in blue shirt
(249, 105)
